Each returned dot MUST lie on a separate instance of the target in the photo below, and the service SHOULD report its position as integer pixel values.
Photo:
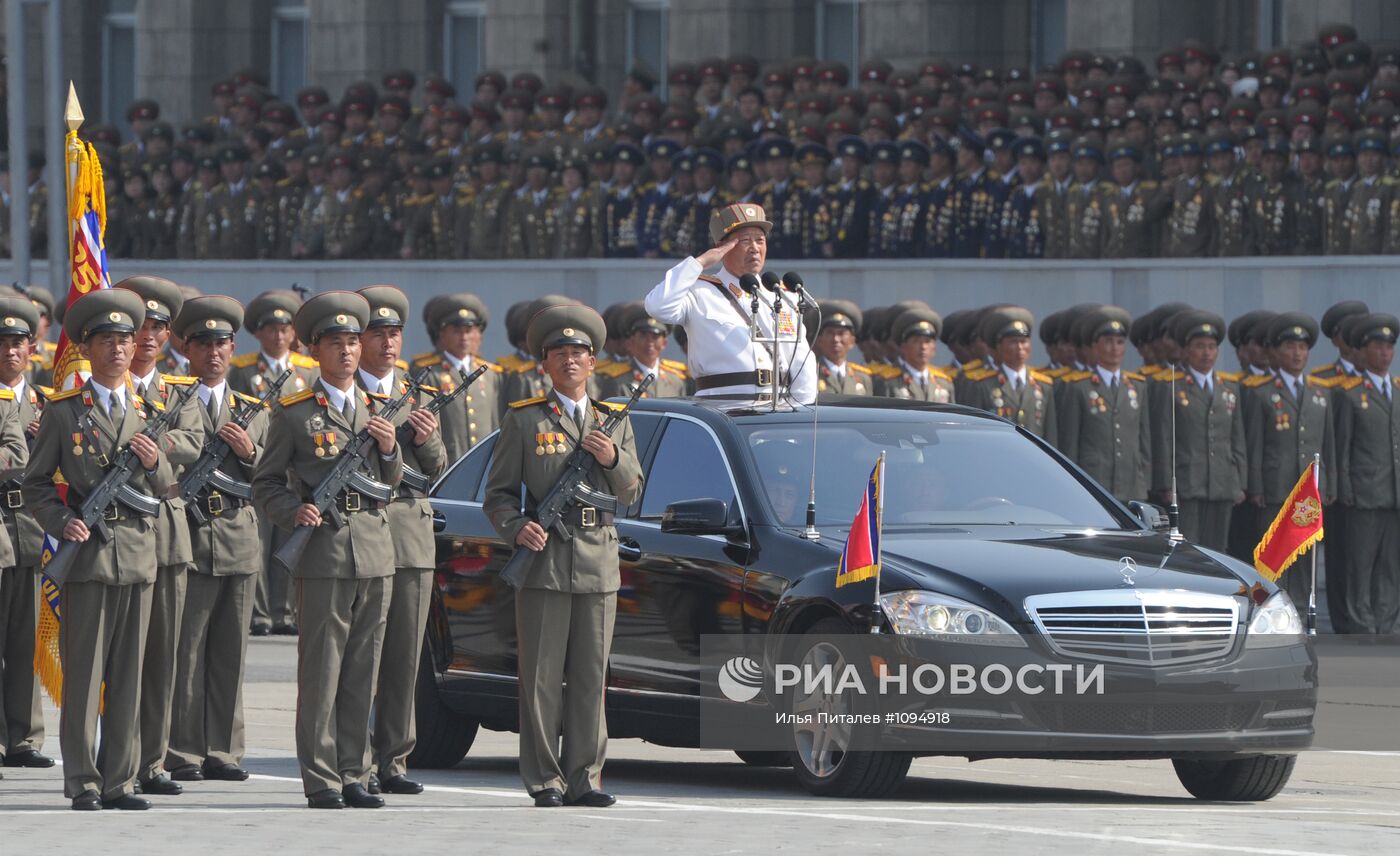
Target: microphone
(771, 281)
(792, 281)
(749, 283)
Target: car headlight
(937, 616)
(1275, 622)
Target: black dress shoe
(594, 799)
(399, 785)
(548, 798)
(187, 773)
(225, 772)
(325, 799)
(28, 758)
(373, 783)
(357, 797)
(161, 786)
(284, 630)
(87, 801)
(260, 630)
(127, 802)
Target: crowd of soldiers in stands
(1281, 153)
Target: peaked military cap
(278, 306)
(840, 313)
(916, 322)
(634, 318)
(1006, 321)
(1378, 326)
(1295, 327)
(106, 310)
(162, 297)
(388, 305)
(1194, 323)
(212, 317)
(463, 308)
(1338, 312)
(731, 217)
(18, 317)
(331, 312)
(565, 324)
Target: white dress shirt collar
(571, 407)
(920, 375)
(1012, 375)
(276, 367)
(459, 365)
(1110, 378)
(104, 395)
(337, 398)
(17, 389)
(382, 385)
(1203, 379)
(147, 381)
(1380, 382)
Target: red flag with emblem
(1297, 527)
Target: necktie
(1298, 390)
(347, 408)
(1113, 381)
(115, 409)
(213, 407)
(1017, 383)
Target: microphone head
(792, 280)
(749, 283)
(770, 280)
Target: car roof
(842, 408)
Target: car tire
(847, 774)
(758, 758)
(444, 736)
(1251, 779)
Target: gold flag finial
(72, 110)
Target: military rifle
(205, 472)
(412, 478)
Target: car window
(464, 482)
(644, 425)
(688, 465)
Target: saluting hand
(424, 423)
(712, 256)
(382, 430)
(601, 447)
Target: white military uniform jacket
(717, 331)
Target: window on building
(648, 27)
(118, 60)
(838, 32)
(464, 44)
(1048, 40)
(288, 47)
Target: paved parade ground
(687, 801)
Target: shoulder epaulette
(179, 380)
(711, 279)
(608, 405)
(513, 363)
(1352, 382)
(1056, 373)
(1134, 376)
(1074, 377)
(526, 402)
(1325, 382)
(676, 366)
(36, 358)
(887, 371)
(1148, 185)
(304, 361)
(614, 369)
(401, 365)
(246, 399)
(939, 371)
(1329, 370)
(858, 368)
(1041, 377)
(7, 395)
(244, 361)
(46, 391)
(973, 374)
(1169, 376)
(296, 397)
(1258, 380)
(67, 393)
(377, 396)
(490, 365)
(1233, 377)
(429, 359)
(1151, 371)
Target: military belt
(352, 501)
(11, 499)
(759, 378)
(588, 517)
(216, 504)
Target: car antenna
(793, 282)
(1173, 509)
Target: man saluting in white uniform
(715, 312)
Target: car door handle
(439, 521)
(629, 550)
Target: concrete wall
(1228, 287)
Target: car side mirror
(1152, 516)
(696, 517)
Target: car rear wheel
(444, 736)
(822, 758)
(758, 758)
(1251, 779)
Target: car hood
(1007, 564)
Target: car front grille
(1173, 718)
(1140, 628)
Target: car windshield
(937, 472)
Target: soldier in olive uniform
(645, 340)
(1285, 429)
(486, 215)
(528, 227)
(1229, 199)
(575, 216)
(1103, 420)
(566, 606)
(1205, 439)
(107, 597)
(181, 445)
(457, 322)
(915, 336)
(21, 703)
(42, 351)
(1368, 208)
(344, 576)
(1274, 204)
(835, 337)
(521, 375)
(437, 223)
(269, 319)
(206, 729)
(232, 209)
(1336, 222)
(1013, 390)
(410, 517)
(1310, 199)
(1191, 227)
(1368, 479)
(1133, 207)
